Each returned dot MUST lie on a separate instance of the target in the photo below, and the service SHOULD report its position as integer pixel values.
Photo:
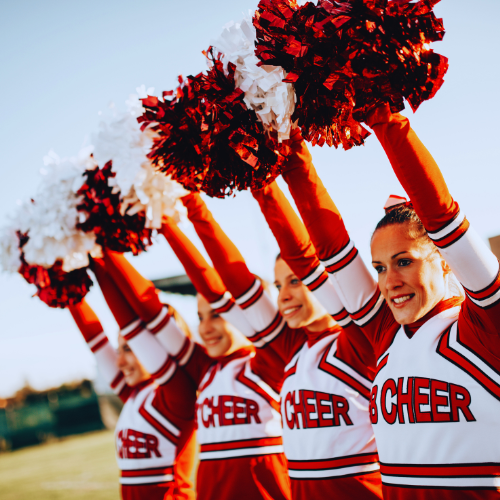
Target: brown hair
(404, 214)
(181, 323)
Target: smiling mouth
(290, 311)
(401, 300)
(213, 341)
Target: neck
(321, 324)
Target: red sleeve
(355, 287)
(297, 250)
(205, 278)
(471, 261)
(93, 333)
(249, 294)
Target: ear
(446, 268)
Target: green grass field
(80, 467)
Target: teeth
(400, 300)
(288, 311)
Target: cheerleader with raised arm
(155, 443)
(436, 392)
(328, 439)
(237, 410)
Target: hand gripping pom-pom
(102, 207)
(55, 287)
(345, 57)
(208, 139)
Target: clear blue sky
(63, 61)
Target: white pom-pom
(265, 92)
(121, 140)
(10, 253)
(50, 218)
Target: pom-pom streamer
(344, 57)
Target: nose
(205, 326)
(393, 279)
(120, 360)
(284, 295)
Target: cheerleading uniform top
(436, 393)
(327, 434)
(154, 436)
(237, 410)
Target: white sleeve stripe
(156, 321)
(222, 301)
(313, 276)
(448, 229)
(371, 313)
(268, 338)
(265, 387)
(250, 293)
(167, 375)
(486, 302)
(130, 327)
(99, 338)
(338, 256)
(188, 354)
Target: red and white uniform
(154, 435)
(327, 435)
(437, 389)
(238, 420)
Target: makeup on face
(296, 303)
(411, 273)
(133, 372)
(219, 337)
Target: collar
(412, 328)
(314, 337)
(240, 353)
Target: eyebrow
(393, 257)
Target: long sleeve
(205, 278)
(106, 357)
(353, 283)
(149, 351)
(297, 250)
(141, 295)
(249, 294)
(468, 256)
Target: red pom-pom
(209, 140)
(346, 56)
(55, 287)
(114, 230)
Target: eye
(215, 315)
(278, 287)
(126, 348)
(379, 269)
(295, 281)
(404, 262)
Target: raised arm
(142, 296)
(470, 259)
(106, 357)
(150, 353)
(257, 305)
(297, 250)
(354, 284)
(204, 277)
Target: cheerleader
(436, 394)
(237, 410)
(155, 444)
(327, 435)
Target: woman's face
(127, 362)
(411, 273)
(296, 302)
(219, 337)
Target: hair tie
(395, 201)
